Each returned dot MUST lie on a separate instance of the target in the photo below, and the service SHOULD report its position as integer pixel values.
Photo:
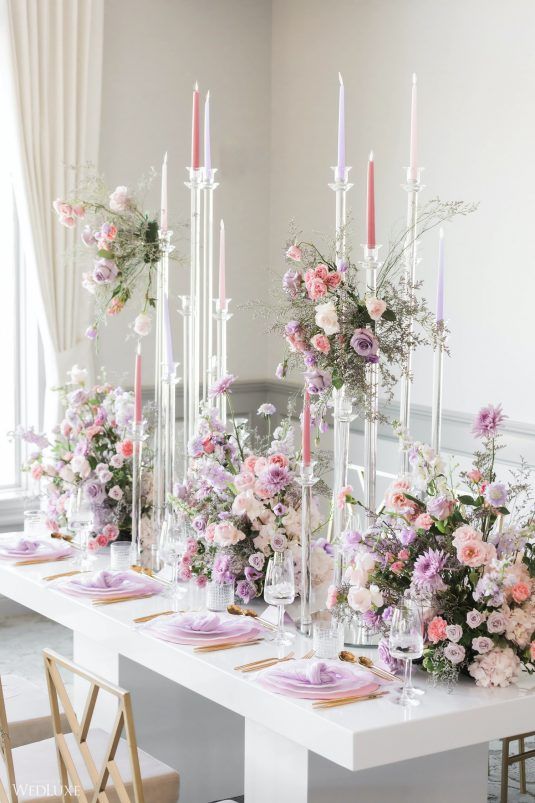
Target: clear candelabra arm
(185, 311)
(222, 316)
(138, 436)
(438, 371)
(170, 382)
(370, 264)
(194, 364)
(208, 186)
(412, 187)
(162, 291)
(340, 186)
(307, 482)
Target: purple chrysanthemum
(488, 421)
(222, 386)
(427, 568)
(274, 479)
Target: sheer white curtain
(53, 61)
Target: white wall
(153, 53)
(272, 69)
(476, 69)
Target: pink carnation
(436, 629)
(321, 343)
(520, 592)
(316, 289)
(278, 459)
(343, 493)
(294, 253)
(333, 280)
(423, 521)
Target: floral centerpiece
(466, 553)
(242, 500)
(91, 449)
(334, 328)
(125, 247)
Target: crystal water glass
(35, 524)
(406, 643)
(279, 590)
(172, 548)
(327, 638)
(80, 520)
(219, 595)
(120, 556)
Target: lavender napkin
(109, 584)
(203, 629)
(318, 680)
(26, 548)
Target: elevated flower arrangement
(466, 553)
(242, 500)
(91, 449)
(125, 246)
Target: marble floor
(23, 636)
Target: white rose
(120, 199)
(81, 466)
(377, 597)
(67, 474)
(360, 599)
(245, 503)
(375, 307)
(142, 324)
(327, 318)
(78, 375)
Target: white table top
(356, 736)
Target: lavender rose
(365, 344)
(318, 381)
(455, 653)
(105, 271)
(383, 653)
(496, 623)
(440, 507)
(291, 282)
(474, 618)
(482, 644)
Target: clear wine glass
(279, 590)
(406, 642)
(80, 519)
(172, 548)
(414, 691)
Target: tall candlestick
(341, 132)
(169, 361)
(370, 203)
(195, 129)
(440, 288)
(137, 386)
(207, 144)
(413, 157)
(306, 429)
(163, 213)
(222, 286)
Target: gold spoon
(351, 658)
(235, 610)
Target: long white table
(225, 734)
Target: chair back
(8, 795)
(80, 727)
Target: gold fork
(113, 600)
(40, 560)
(227, 645)
(64, 574)
(256, 666)
(347, 700)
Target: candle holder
(170, 381)
(138, 436)
(194, 365)
(307, 482)
(185, 312)
(412, 187)
(222, 316)
(340, 186)
(438, 370)
(208, 186)
(371, 265)
(343, 416)
(162, 291)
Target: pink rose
(260, 465)
(423, 521)
(475, 475)
(101, 540)
(79, 211)
(92, 544)
(473, 553)
(321, 343)
(244, 481)
(520, 592)
(332, 598)
(321, 271)
(115, 493)
(360, 599)
(37, 471)
(375, 307)
(111, 531)
(397, 567)
(294, 253)
(207, 445)
(333, 280)
(316, 289)
(342, 496)
(125, 448)
(226, 534)
(436, 629)
(278, 459)
(464, 535)
(209, 533)
(403, 554)
(201, 581)
(249, 462)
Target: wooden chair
(519, 757)
(87, 765)
(28, 711)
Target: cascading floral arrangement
(334, 328)
(125, 247)
(91, 449)
(242, 500)
(468, 556)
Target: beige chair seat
(28, 711)
(38, 780)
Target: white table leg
(277, 769)
(93, 656)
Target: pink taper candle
(207, 143)
(341, 132)
(195, 163)
(370, 203)
(222, 287)
(440, 287)
(137, 386)
(163, 212)
(413, 157)
(306, 429)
